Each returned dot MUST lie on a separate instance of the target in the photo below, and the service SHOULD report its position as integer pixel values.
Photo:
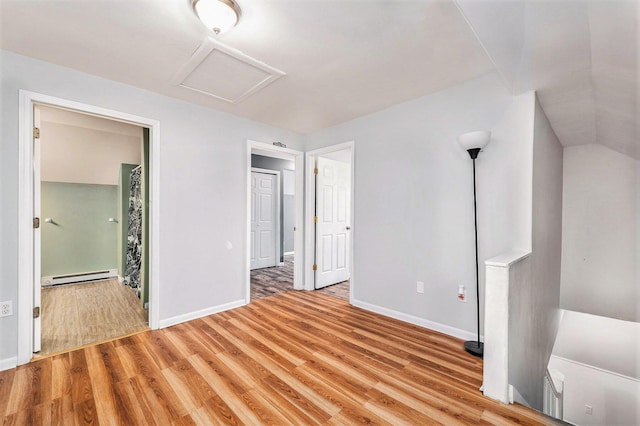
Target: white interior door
(37, 326)
(333, 195)
(263, 220)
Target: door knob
(348, 227)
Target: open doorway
(274, 202)
(329, 238)
(30, 224)
(92, 193)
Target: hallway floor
(279, 279)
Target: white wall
(202, 186)
(601, 225)
(638, 236)
(600, 360)
(414, 199)
(602, 342)
(534, 300)
(613, 398)
(75, 154)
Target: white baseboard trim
(201, 313)
(8, 363)
(515, 396)
(412, 319)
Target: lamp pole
(475, 347)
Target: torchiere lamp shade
(474, 142)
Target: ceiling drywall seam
(504, 78)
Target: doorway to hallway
(274, 201)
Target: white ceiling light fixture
(217, 15)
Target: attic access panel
(224, 73)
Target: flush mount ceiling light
(217, 15)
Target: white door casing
(28, 285)
(37, 234)
(263, 220)
(300, 279)
(333, 196)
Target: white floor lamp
(473, 143)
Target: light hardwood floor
(296, 358)
(80, 314)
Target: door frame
(26, 276)
(276, 240)
(298, 239)
(310, 187)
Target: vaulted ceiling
(345, 59)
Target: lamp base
(474, 348)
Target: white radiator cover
(79, 277)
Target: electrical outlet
(588, 410)
(6, 308)
(420, 287)
(462, 293)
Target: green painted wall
(82, 239)
(124, 185)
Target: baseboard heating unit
(79, 278)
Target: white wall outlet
(588, 410)
(420, 287)
(6, 308)
(462, 293)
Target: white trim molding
(263, 148)
(8, 363)
(26, 279)
(308, 255)
(168, 322)
(412, 319)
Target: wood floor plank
(264, 410)
(82, 395)
(307, 405)
(228, 392)
(287, 411)
(114, 369)
(155, 410)
(81, 314)
(276, 345)
(41, 414)
(20, 398)
(296, 358)
(101, 383)
(62, 410)
(426, 406)
(6, 383)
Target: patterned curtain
(134, 232)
